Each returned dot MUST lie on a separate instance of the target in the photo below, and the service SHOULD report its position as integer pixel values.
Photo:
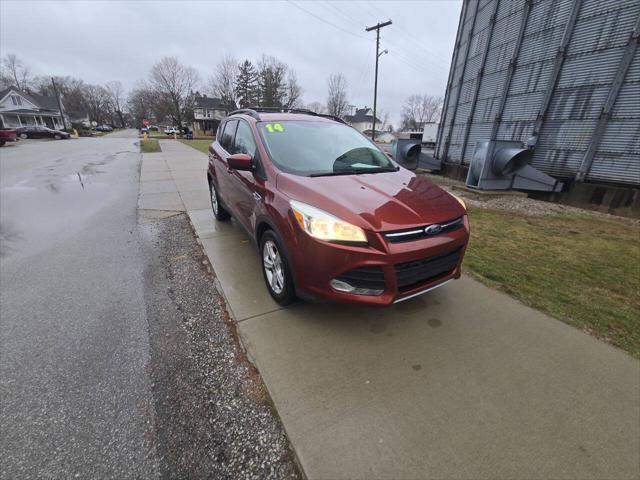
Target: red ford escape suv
(333, 216)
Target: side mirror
(240, 161)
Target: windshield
(321, 148)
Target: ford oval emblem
(433, 229)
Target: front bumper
(317, 263)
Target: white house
(385, 137)
(207, 114)
(19, 109)
(362, 120)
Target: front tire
(275, 269)
(24, 136)
(57, 137)
(219, 211)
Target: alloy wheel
(273, 267)
(214, 199)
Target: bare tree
(72, 91)
(223, 83)
(142, 103)
(15, 72)
(384, 121)
(115, 90)
(174, 83)
(420, 109)
(97, 103)
(316, 107)
(337, 103)
(293, 91)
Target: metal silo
(561, 76)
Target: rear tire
(219, 211)
(276, 270)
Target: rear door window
(226, 140)
(244, 142)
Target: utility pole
(55, 89)
(375, 87)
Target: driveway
(463, 382)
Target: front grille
(364, 277)
(418, 233)
(410, 274)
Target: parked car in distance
(104, 128)
(171, 130)
(332, 215)
(7, 135)
(37, 131)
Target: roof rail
(253, 112)
(246, 111)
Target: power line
(325, 21)
(364, 75)
(401, 54)
(343, 14)
(428, 55)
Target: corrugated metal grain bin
(562, 76)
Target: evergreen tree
(272, 81)
(247, 89)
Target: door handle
(257, 196)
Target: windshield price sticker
(275, 127)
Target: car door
(248, 187)
(222, 151)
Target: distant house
(385, 137)
(362, 120)
(18, 109)
(207, 114)
(80, 117)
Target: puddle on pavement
(37, 212)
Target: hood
(379, 202)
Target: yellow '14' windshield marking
(276, 127)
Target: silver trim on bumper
(423, 291)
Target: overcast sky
(120, 40)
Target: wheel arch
(264, 224)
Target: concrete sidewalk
(463, 382)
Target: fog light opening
(344, 287)
(341, 286)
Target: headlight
(322, 225)
(460, 201)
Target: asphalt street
(117, 357)
(76, 398)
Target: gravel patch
(213, 415)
